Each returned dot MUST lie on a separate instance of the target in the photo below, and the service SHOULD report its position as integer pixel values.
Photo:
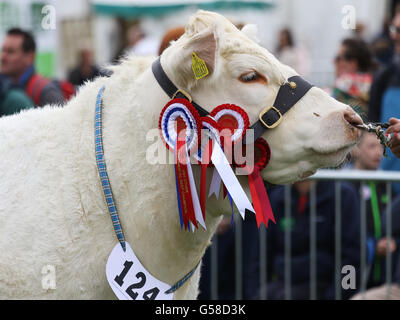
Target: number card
(130, 280)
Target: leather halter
(288, 95)
(170, 89)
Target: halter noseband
(288, 95)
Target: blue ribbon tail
(231, 202)
(179, 199)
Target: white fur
(52, 210)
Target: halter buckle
(276, 123)
(187, 95)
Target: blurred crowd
(367, 77)
(21, 87)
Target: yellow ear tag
(199, 67)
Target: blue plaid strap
(101, 166)
(181, 282)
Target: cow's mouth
(333, 152)
(306, 174)
(332, 157)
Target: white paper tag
(130, 280)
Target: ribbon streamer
(232, 184)
(203, 176)
(260, 198)
(183, 179)
(215, 185)
(196, 203)
(183, 223)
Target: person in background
(382, 45)
(385, 96)
(367, 156)
(360, 31)
(394, 129)
(17, 63)
(298, 224)
(353, 71)
(382, 291)
(86, 69)
(172, 34)
(385, 90)
(140, 44)
(288, 53)
(12, 100)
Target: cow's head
(316, 132)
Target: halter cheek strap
(288, 95)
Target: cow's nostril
(353, 118)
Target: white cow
(52, 209)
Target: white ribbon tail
(230, 181)
(196, 202)
(215, 185)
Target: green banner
(134, 11)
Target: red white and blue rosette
(183, 110)
(206, 138)
(233, 118)
(179, 125)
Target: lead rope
(102, 169)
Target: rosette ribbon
(233, 122)
(179, 125)
(230, 180)
(259, 195)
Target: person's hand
(382, 244)
(395, 142)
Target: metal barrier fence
(388, 177)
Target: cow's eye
(252, 76)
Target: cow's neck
(145, 192)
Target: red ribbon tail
(180, 182)
(260, 199)
(181, 163)
(224, 191)
(203, 176)
(203, 180)
(256, 202)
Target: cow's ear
(201, 46)
(200, 49)
(204, 46)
